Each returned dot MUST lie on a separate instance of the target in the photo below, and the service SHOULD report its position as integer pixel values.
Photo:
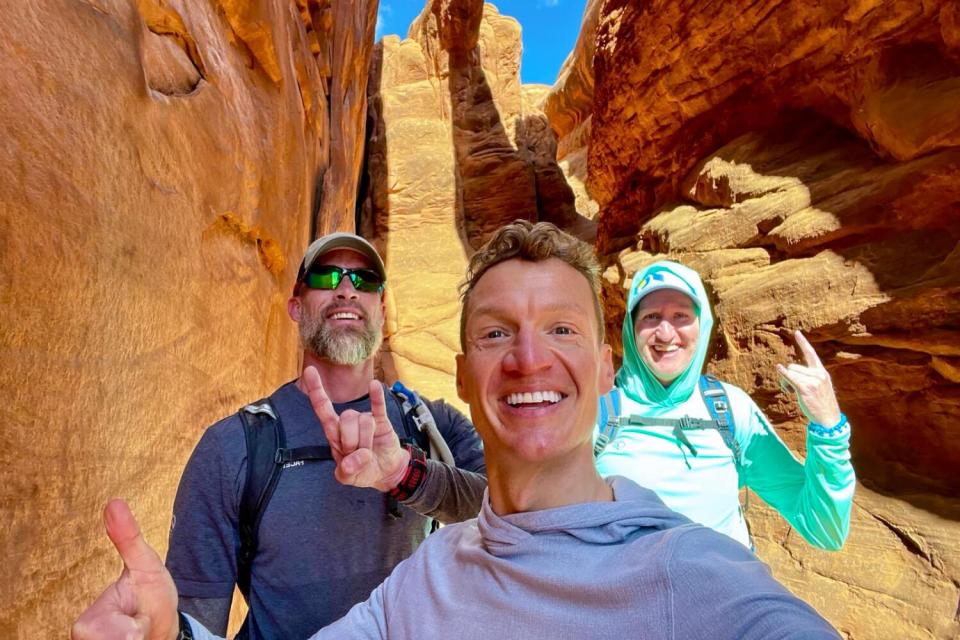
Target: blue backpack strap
(718, 404)
(609, 420)
(416, 410)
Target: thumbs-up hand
(364, 445)
(142, 603)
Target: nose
(528, 355)
(346, 289)
(665, 331)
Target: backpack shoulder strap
(410, 431)
(263, 432)
(609, 421)
(267, 454)
(718, 404)
(417, 411)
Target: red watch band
(413, 476)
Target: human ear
(606, 374)
(294, 309)
(461, 391)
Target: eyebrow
(498, 311)
(642, 306)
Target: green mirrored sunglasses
(329, 276)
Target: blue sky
(550, 29)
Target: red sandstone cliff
(165, 163)
(162, 166)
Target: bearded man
(312, 558)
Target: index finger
(322, 406)
(810, 356)
(124, 533)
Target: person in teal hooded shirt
(666, 335)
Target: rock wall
(805, 159)
(163, 161)
(177, 156)
(455, 150)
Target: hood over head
(634, 377)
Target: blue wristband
(827, 432)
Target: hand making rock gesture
(812, 384)
(142, 603)
(364, 445)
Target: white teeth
(535, 397)
(665, 348)
(345, 315)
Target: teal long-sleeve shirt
(815, 496)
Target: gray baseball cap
(341, 240)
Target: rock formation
(455, 150)
(805, 160)
(177, 156)
(162, 164)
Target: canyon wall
(456, 148)
(805, 160)
(162, 169)
(177, 157)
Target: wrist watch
(413, 476)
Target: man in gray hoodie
(556, 552)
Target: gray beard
(342, 345)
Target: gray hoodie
(624, 569)
(630, 568)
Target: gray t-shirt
(316, 536)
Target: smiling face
(342, 325)
(533, 366)
(666, 328)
